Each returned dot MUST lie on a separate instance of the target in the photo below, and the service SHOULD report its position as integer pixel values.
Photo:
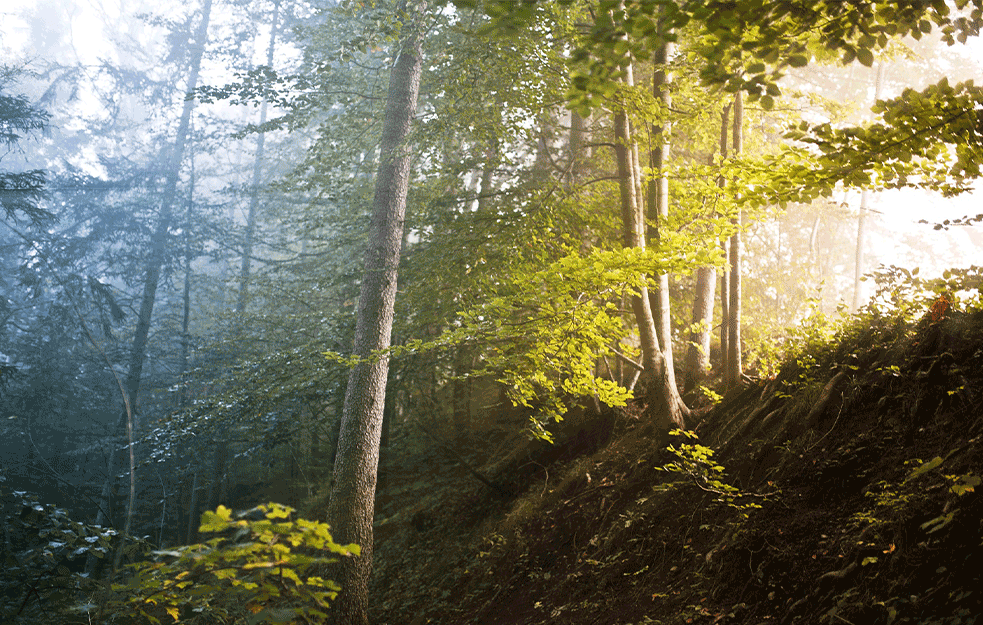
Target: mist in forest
(188, 191)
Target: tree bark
(698, 354)
(734, 365)
(725, 312)
(658, 196)
(186, 295)
(579, 148)
(351, 508)
(666, 406)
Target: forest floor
(855, 468)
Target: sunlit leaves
(930, 139)
(774, 34)
(260, 566)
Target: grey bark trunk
(725, 312)
(858, 271)
(658, 197)
(666, 406)
(351, 508)
(186, 294)
(734, 365)
(698, 354)
(580, 151)
(192, 530)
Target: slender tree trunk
(192, 530)
(658, 195)
(351, 509)
(158, 242)
(698, 354)
(665, 403)
(247, 245)
(725, 312)
(186, 295)
(858, 271)
(734, 365)
(155, 262)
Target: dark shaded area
(862, 458)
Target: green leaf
(865, 56)
(924, 468)
(798, 60)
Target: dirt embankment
(857, 472)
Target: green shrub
(253, 571)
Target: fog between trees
(189, 191)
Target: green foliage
(927, 139)
(42, 557)
(748, 44)
(891, 500)
(261, 571)
(902, 291)
(696, 462)
(20, 192)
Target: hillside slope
(855, 468)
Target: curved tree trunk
(352, 505)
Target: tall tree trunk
(698, 350)
(725, 312)
(351, 508)
(192, 529)
(658, 196)
(186, 295)
(155, 262)
(158, 242)
(665, 403)
(247, 245)
(734, 365)
(698, 354)
(858, 271)
(580, 150)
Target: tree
(698, 352)
(352, 505)
(20, 192)
(670, 411)
(247, 247)
(155, 262)
(734, 366)
(858, 270)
